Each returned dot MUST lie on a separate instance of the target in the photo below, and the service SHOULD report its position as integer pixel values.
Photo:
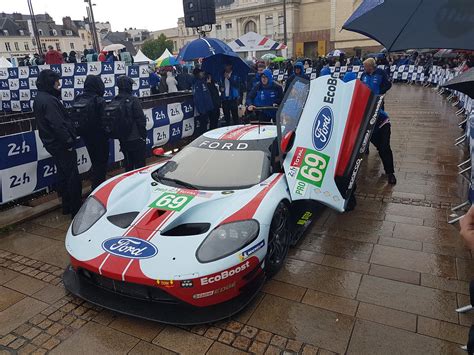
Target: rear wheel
(278, 239)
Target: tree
(153, 48)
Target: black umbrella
(463, 83)
(406, 24)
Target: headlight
(90, 212)
(227, 239)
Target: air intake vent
(187, 229)
(123, 220)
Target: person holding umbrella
(230, 94)
(378, 81)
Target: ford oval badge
(130, 248)
(322, 128)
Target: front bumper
(154, 304)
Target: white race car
(192, 239)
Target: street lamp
(90, 14)
(285, 33)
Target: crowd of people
(53, 56)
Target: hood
(125, 84)
(46, 80)
(300, 66)
(95, 85)
(268, 73)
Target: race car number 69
(171, 201)
(315, 165)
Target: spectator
(133, 145)
(59, 139)
(154, 80)
(72, 57)
(298, 72)
(163, 88)
(97, 142)
(65, 57)
(266, 93)
(111, 57)
(258, 74)
(126, 57)
(378, 81)
(185, 80)
(53, 56)
(202, 101)
(230, 94)
(102, 57)
(171, 82)
(37, 60)
(215, 113)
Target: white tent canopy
(141, 58)
(4, 63)
(252, 42)
(166, 54)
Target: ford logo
(322, 128)
(130, 247)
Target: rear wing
(331, 137)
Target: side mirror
(287, 142)
(158, 152)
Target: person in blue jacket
(203, 104)
(298, 72)
(230, 94)
(377, 80)
(266, 93)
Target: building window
(269, 25)
(250, 27)
(17, 47)
(27, 46)
(82, 36)
(218, 27)
(280, 24)
(22, 33)
(40, 32)
(58, 47)
(72, 45)
(5, 32)
(7, 46)
(228, 25)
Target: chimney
(67, 23)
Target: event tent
(141, 58)
(4, 63)
(254, 42)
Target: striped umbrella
(167, 62)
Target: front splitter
(168, 313)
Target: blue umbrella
(406, 24)
(215, 65)
(203, 48)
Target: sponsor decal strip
(237, 133)
(251, 207)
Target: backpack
(82, 114)
(117, 120)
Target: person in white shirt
(171, 82)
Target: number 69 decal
(313, 168)
(171, 201)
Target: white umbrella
(113, 47)
(268, 56)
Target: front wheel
(278, 240)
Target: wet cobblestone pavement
(385, 278)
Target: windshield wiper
(178, 182)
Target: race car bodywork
(191, 240)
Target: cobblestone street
(385, 278)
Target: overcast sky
(150, 14)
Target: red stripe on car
(357, 110)
(237, 133)
(248, 211)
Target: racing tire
(278, 239)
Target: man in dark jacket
(133, 145)
(215, 113)
(266, 93)
(230, 94)
(202, 101)
(96, 140)
(58, 137)
(378, 81)
(298, 72)
(184, 79)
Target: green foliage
(153, 48)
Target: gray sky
(150, 14)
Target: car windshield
(216, 168)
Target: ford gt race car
(192, 239)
